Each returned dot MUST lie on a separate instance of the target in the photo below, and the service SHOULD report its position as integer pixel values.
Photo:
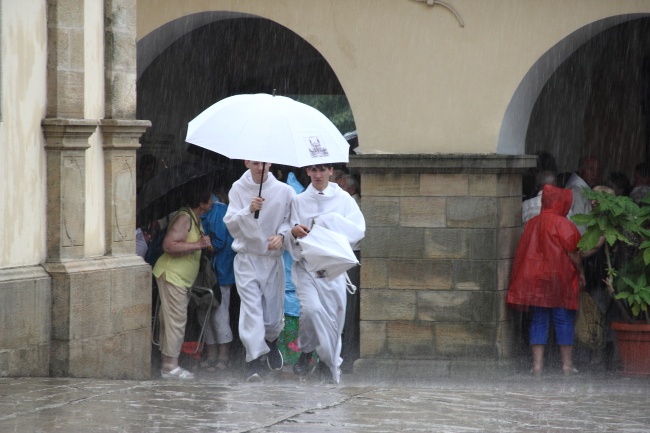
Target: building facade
(450, 101)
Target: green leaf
(581, 219)
(589, 240)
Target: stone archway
(191, 63)
(596, 102)
(518, 116)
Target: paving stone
(282, 403)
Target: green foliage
(615, 217)
(620, 220)
(637, 294)
(335, 107)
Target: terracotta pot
(633, 347)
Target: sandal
(213, 365)
(178, 373)
(222, 364)
(208, 364)
(569, 371)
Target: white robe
(259, 272)
(580, 203)
(322, 302)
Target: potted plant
(625, 226)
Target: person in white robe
(258, 265)
(322, 302)
(587, 176)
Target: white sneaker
(177, 374)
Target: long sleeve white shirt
(333, 209)
(251, 235)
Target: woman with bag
(175, 272)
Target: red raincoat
(543, 275)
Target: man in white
(322, 302)
(533, 206)
(259, 270)
(587, 176)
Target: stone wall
(83, 313)
(25, 321)
(101, 318)
(441, 234)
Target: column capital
(442, 163)
(68, 134)
(123, 133)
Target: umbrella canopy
(326, 252)
(266, 128)
(166, 191)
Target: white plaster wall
(22, 154)
(417, 81)
(95, 243)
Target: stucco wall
(411, 71)
(94, 244)
(22, 165)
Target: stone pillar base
(101, 318)
(26, 324)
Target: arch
(151, 45)
(512, 136)
(190, 63)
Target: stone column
(441, 234)
(101, 306)
(120, 144)
(120, 54)
(65, 59)
(66, 141)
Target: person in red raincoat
(547, 276)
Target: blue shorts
(563, 321)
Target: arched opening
(195, 61)
(587, 96)
(592, 78)
(598, 102)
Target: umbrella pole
(257, 212)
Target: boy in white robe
(322, 302)
(259, 270)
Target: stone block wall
(25, 321)
(441, 234)
(101, 318)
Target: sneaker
(274, 358)
(253, 371)
(177, 373)
(304, 366)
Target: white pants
(322, 316)
(218, 329)
(260, 284)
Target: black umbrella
(167, 190)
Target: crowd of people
(252, 235)
(254, 238)
(551, 279)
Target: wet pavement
(222, 402)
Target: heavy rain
(432, 339)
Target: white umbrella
(326, 252)
(267, 128)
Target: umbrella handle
(257, 212)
